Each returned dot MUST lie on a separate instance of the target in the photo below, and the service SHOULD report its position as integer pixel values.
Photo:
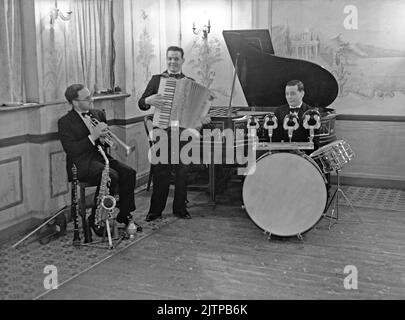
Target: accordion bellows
(186, 104)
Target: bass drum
(286, 193)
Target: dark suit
(299, 135)
(162, 172)
(73, 134)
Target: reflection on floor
(222, 256)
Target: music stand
(335, 197)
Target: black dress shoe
(98, 230)
(183, 215)
(151, 217)
(124, 220)
(138, 227)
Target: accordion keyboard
(161, 117)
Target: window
(74, 51)
(11, 79)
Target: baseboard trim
(370, 182)
(368, 117)
(142, 179)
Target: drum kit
(287, 194)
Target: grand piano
(263, 77)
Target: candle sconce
(204, 30)
(55, 13)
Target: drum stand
(335, 197)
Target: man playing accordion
(162, 171)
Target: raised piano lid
(263, 75)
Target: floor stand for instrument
(111, 242)
(333, 218)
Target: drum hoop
(329, 146)
(316, 166)
(305, 156)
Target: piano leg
(211, 173)
(211, 190)
(211, 187)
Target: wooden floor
(222, 254)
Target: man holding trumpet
(81, 130)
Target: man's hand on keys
(156, 100)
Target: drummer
(294, 93)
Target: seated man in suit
(80, 139)
(294, 93)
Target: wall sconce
(55, 13)
(205, 30)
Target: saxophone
(105, 202)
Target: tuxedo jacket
(73, 134)
(299, 135)
(153, 88)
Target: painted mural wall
(361, 42)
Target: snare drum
(286, 195)
(333, 156)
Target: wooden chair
(82, 192)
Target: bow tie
(294, 109)
(84, 114)
(175, 75)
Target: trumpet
(112, 140)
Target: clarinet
(75, 208)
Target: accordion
(186, 104)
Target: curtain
(78, 50)
(11, 82)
